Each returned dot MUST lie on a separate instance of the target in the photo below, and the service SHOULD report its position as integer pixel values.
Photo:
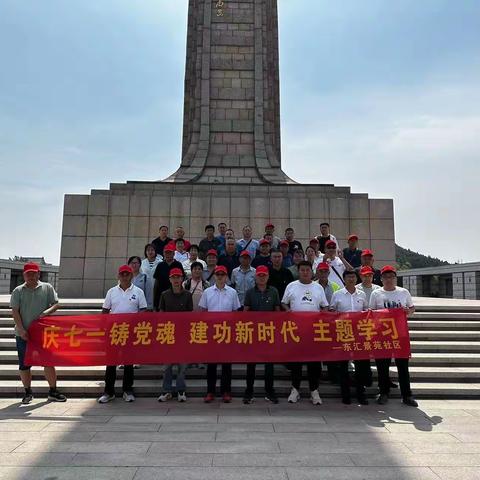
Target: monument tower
(230, 168)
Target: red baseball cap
(31, 267)
(314, 240)
(388, 269)
(330, 243)
(366, 271)
(221, 269)
(175, 272)
(245, 253)
(125, 269)
(212, 252)
(169, 248)
(269, 225)
(323, 266)
(285, 242)
(353, 237)
(264, 241)
(367, 253)
(262, 270)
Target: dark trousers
(314, 370)
(111, 376)
(383, 366)
(362, 371)
(226, 379)
(251, 378)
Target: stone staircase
(445, 362)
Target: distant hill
(407, 259)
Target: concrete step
(196, 388)
(443, 325)
(155, 372)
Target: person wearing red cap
(162, 274)
(293, 244)
(351, 299)
(263, 257)
(336, 261)
(279, 276)
(179, 233)
(304, 295)
(367, 286)
(125, 297)
(176, 299)
(325, 236)
(243, 277)
(247, 242)
(29, 302)
(367, 260)
(270, 230)
(352, 254)
(391, 296)
(210, 242)
(287, 259)
(212, 262)
(261, 298)
(230, 258)
(219, 298)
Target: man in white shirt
(391, 296)
(337, 263)
(248, 242)
(304, 295)
(351, 299)
(123, 298)
(219, 298)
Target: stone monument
(231, 162)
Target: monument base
(101, 230)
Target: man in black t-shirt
(352, 254)
(279, 277)
(210, 242)
(325, 236)
(162, 275)
(162, 240)
(293, 244)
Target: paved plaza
(147, 440)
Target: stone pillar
(458, 285)
(472, 285)
(4, 281)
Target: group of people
(225, 274)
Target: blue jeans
(21, 350)
(168, 378)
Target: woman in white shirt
(149, 264)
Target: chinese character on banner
(119, 334)
(198, 332)
(266, 332)
(321, 332)
(72, 334)
(390, 328)
(143, 331)
(166, 333)
(288, 330)
(223, 333)
(366, 328)
(244, 332)
(344, 329)
(50, 337)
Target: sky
(377, 95)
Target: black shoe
(247, 400)
(382, 399)
(346, 401)
(56, 396)
(410, 401)
(272, 398)
(393, 385)
(27, 398)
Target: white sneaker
(128, 397)
(294, 396)
(165, 397)
(105, 398)
(315, 397)
(182, 397)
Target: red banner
(238, 337)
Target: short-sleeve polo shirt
(131, 300)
